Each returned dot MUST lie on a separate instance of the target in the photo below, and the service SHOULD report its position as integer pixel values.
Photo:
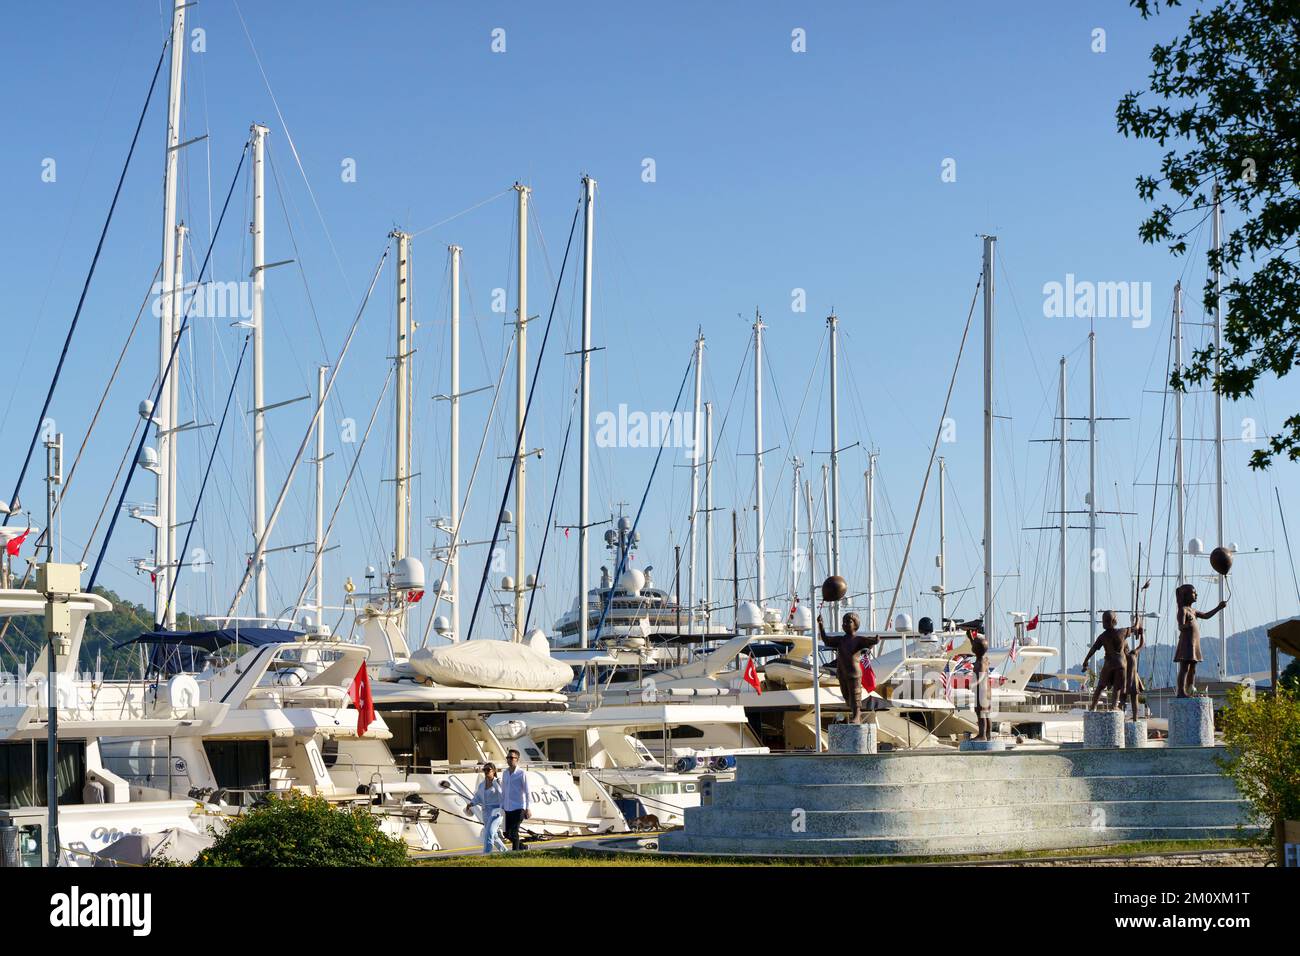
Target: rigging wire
(519, 438)
(161, 614)
(171, 360)
(85, 288)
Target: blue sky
(774, 171)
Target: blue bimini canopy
(216, 639)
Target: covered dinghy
(491, 664)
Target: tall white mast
(989, 616)
(826, 528)
(1218, 422)
(168, 322)
(173, 416)
(695, 482)
(833, 323)
(1092, 484)
(521, 405)
(259, 133)
(1064, 512)
(760, 579)
(708, 516)
(871, 541)
(402, 437)
(584, 454)
(794, 532)
(943, 546)
(318, 565)
(1180, 506)
(453, 553)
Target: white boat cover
(491, 664)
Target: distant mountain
(25, 637)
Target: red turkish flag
(13, 544)
(413, 596)
(362, 700)
(1033, 623)
(751, 676)
(868, 676)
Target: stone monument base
(1191, 722)
(1103, 729)
(982, 746)
(1135, 733)
(852, 738)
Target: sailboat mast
(760, 578)
(173, 415)
(708, 516)
(989, 616)
(258, 134)
(1218, 421)
(794, 532)
(1179, 491)
(871, 541)
(943, 545)
(318, 565)
(695, 482)
(584, 453)
(1065, 629)
(167, 322)
(453, 552)
(826, 529)
(833, 323)
(402, 436)
(1092, 484)
(521, 406)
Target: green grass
(569, 856)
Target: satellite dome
(748, 615)
(903, 622)
(507, 583)
(624, 523)
(441, 625)
(1196, 546)
(507, 517)
(802, 620)
(530, 581)
(146, 409)
(147, 459)
(925, 626)
(408, 574)
(632, 581)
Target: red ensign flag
(751, 676)
(362, 700)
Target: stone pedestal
(1103, 729)
(982, 746)
(1191, 722)
(1135, 733)
(852, 738)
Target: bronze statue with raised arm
(1188, 652)
(848, 660)
(1114, 667)
(1133, 685)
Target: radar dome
(748, 615)
(903, 622)
(408, 574)
(632, 581)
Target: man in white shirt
(516, 801)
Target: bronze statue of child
(848, 660)
(1188, 652)
(1114, 667)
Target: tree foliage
(1262, 737)
(298, 830)
(1224, 99)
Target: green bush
(1262, 736)
(299, 830)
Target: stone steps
(679, 841)
(981, 820)
(935, 803)
(852, 796)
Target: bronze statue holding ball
(1188, 652)
(848, 649)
